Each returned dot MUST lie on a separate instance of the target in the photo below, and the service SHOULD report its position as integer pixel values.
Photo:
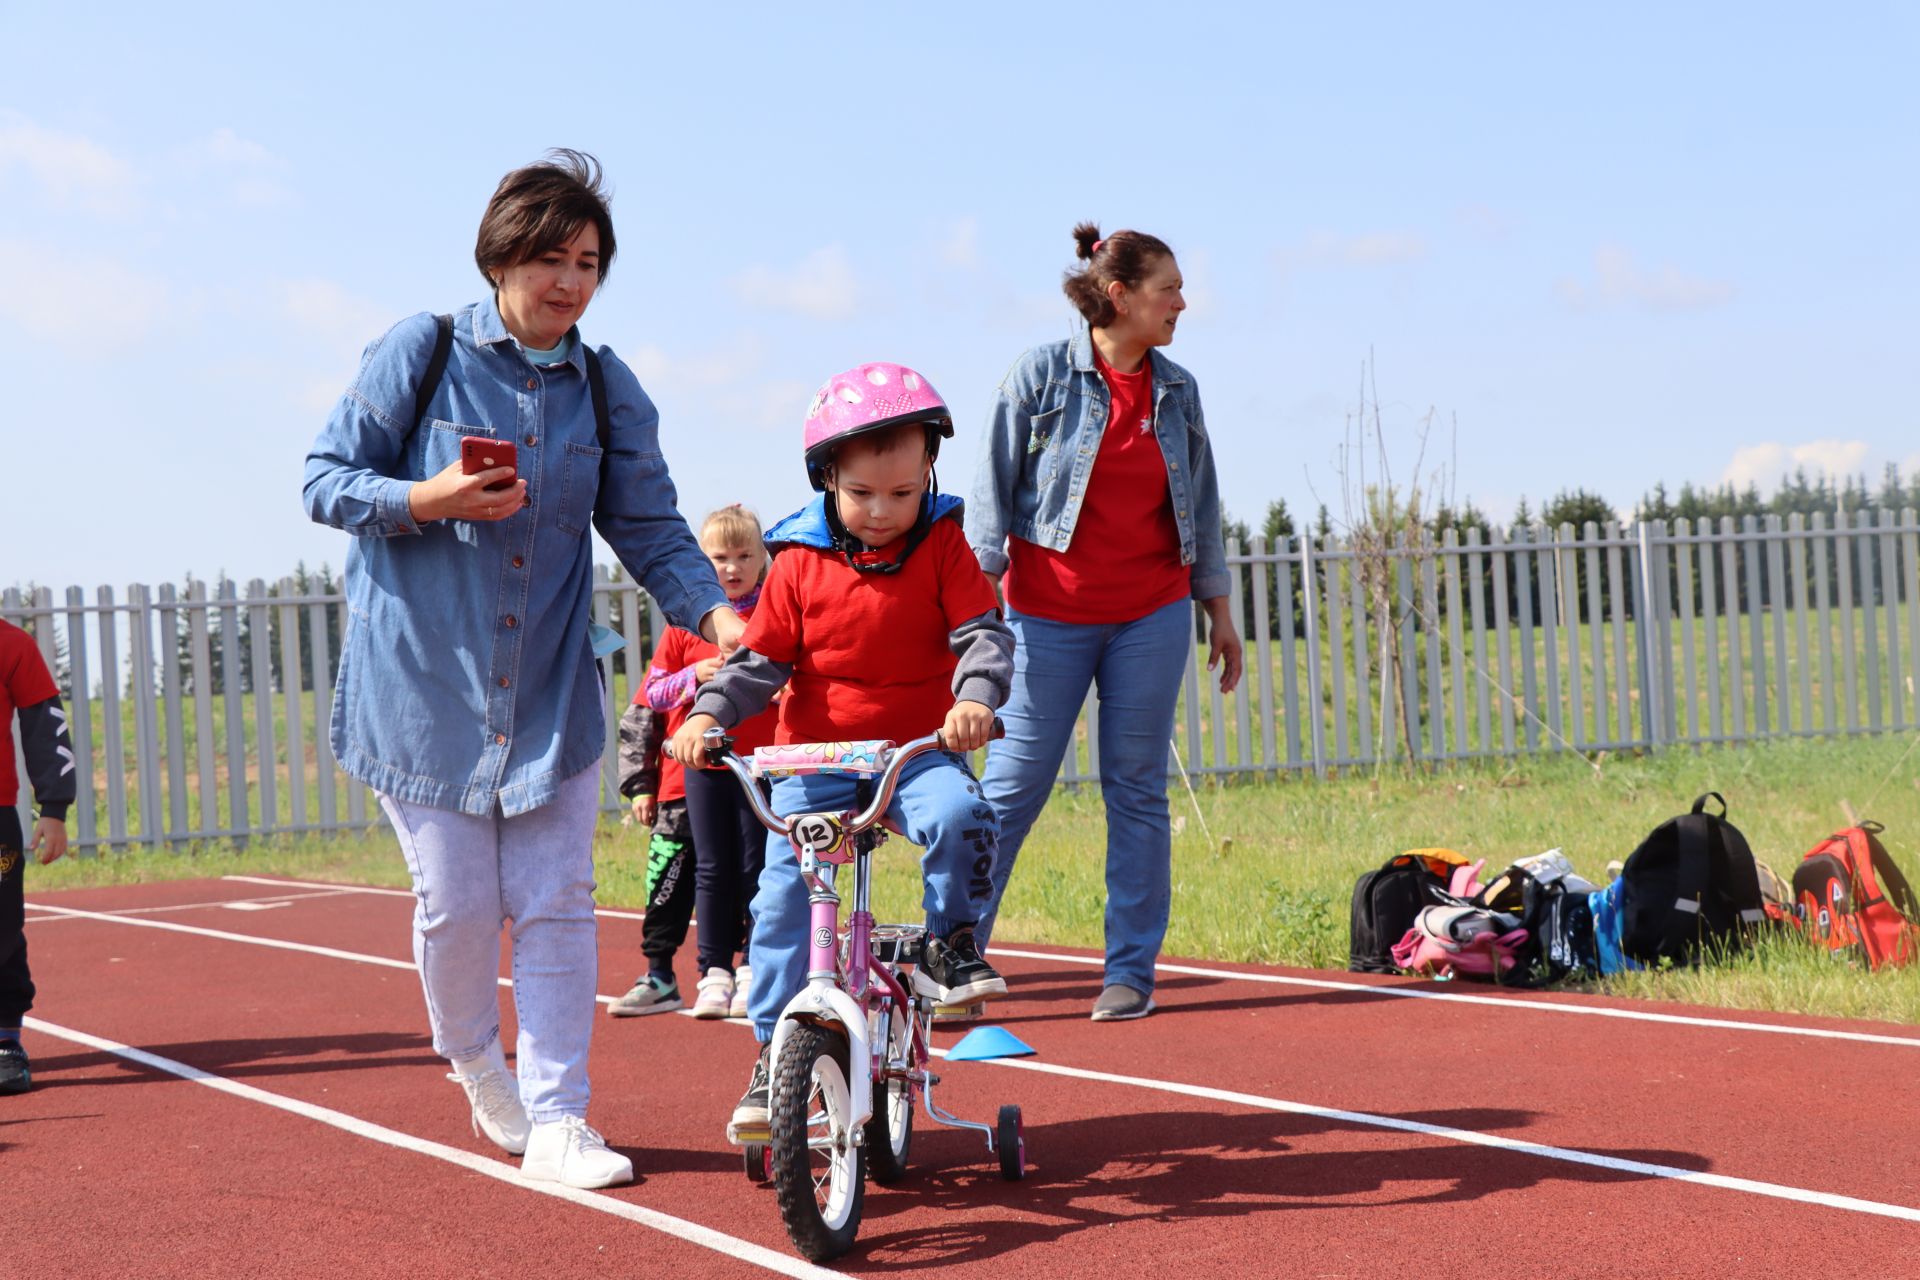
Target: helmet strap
(850, 546)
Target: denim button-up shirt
(1043, 438)
(466, 678)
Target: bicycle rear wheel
(819, 1174)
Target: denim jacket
(1043, 438)
(466, 680)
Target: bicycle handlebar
(719, 753)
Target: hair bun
(1085, 237)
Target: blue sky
(1625, 244)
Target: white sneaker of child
(716, 995)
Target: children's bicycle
(850, 1052)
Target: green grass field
(1263, 870)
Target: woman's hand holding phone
(483, 485)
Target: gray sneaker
(1119, 1003)
(648, 995)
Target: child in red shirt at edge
(729, 844)
(879, 623)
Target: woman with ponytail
(1097, 510)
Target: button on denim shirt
(1043, 439)
(466, 678)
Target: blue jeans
(536, 869)
(939, 807)
(1136, 668)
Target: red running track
(1263, 1123)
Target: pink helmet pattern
(867, 398)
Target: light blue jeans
(939, 807)
(1136, 668)
(536, 869)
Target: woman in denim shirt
(1097, 500)
(467, 695)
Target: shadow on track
(1080, 987)
(1196, 1165)
(244, 1059)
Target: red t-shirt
(24, 682)
(1124, 561)
(869, 650)
(673, 778)
(681, 649)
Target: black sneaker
(952, 972)
(14, 1075)
(750, 1122)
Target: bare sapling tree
(1388, 525)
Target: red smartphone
(480, 453)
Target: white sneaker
(716, 995)
(493, 1096)
(572, 1152)
(742, 983)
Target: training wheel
(1009, 1139)
(758, 1159)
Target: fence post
(1653, 661)
(80, 720)
(265, 746)
(169, 642)
(1309, 598)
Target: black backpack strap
(1694, 834)
(1745, 868)
(597, 384)
(436, 369)
(1893, 886)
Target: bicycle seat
(797, 759)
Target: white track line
(1568, 1155)
(201, 906)
(609, 912)
(1334, 984)
(1544, 1006)
(680, 1228)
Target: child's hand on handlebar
(968, 726)
(688, 745)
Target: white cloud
(720, 387)
(1369, 249)
(1619, 279)
(52, 295)
(1484, 220)
(73, 171)
(251, 174)
(326, 310)
(961, 247)
(821, 286)
(1765, 463)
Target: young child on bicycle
(879, 623)
(729, 843)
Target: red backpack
(1848, 894)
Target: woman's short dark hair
(1126, 256)
(540, 208)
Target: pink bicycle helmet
(870, 397)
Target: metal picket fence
(205, 716)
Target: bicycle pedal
(741, 1135)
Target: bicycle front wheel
(819, 1173)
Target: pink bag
(1446, 941)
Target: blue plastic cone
(988, 1042)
